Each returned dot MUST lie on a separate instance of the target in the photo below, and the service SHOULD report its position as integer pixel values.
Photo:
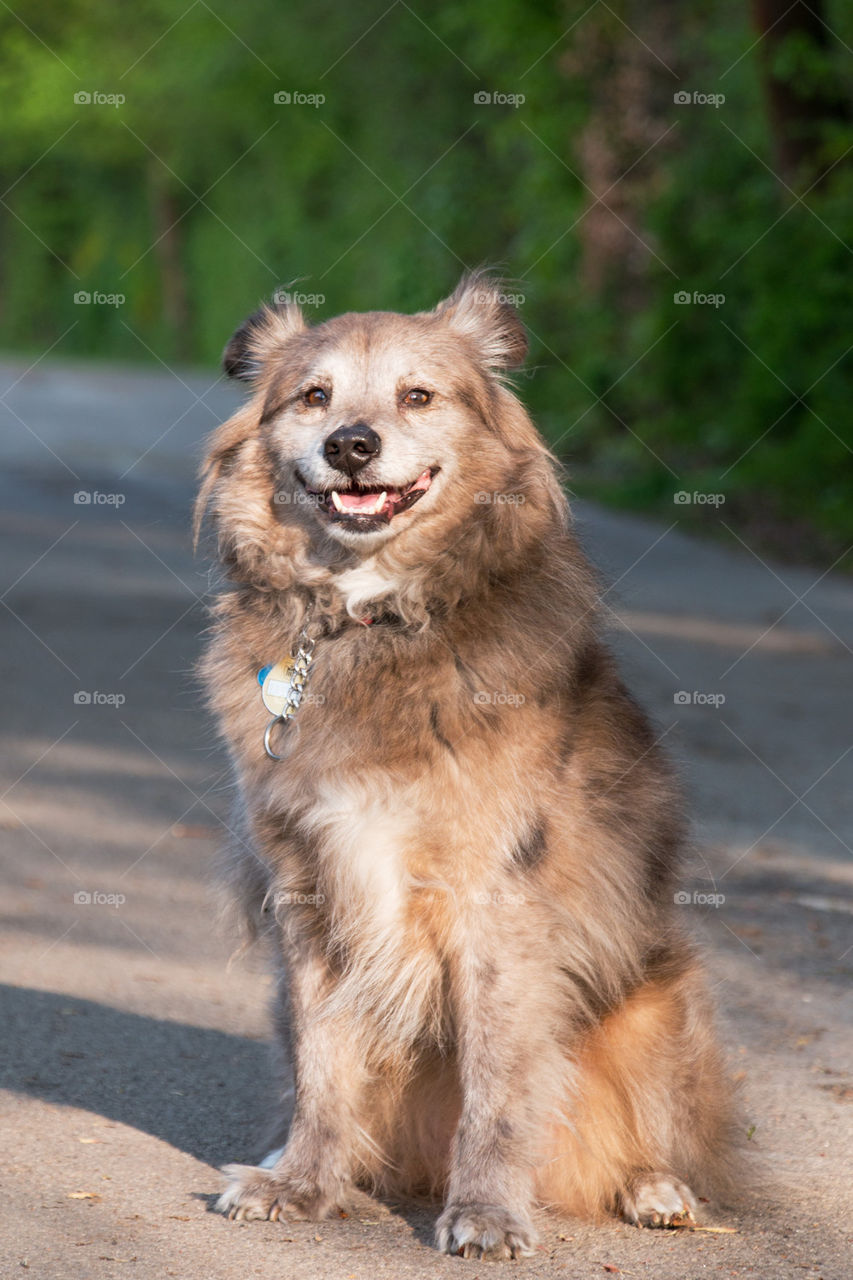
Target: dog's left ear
(479, 308)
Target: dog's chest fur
(399, 804)
(385, 908)
(362, 587)
(362, 836)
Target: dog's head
(368, 427)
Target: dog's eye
(315, 396)
(417, 397)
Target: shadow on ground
(168, 1079)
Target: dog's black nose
(350, 448)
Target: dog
(454, 823)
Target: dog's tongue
(369, 502)
(358, 501)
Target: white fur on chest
(363, 836)
(364, 833)
(362, 585)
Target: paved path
(134, 1054)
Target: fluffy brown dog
(463, 841)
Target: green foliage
(199, 195)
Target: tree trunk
(799, 111)
(169, 249)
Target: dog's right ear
(260, 337)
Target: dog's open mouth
(365, 507)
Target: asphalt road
(133, 1052)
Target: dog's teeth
(380, 502)
(336, 501)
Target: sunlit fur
(465, 862)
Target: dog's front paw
(658, 1200)
(485, 1231)
(254, 1193)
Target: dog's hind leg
(651, 1112)
(657, 1200)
